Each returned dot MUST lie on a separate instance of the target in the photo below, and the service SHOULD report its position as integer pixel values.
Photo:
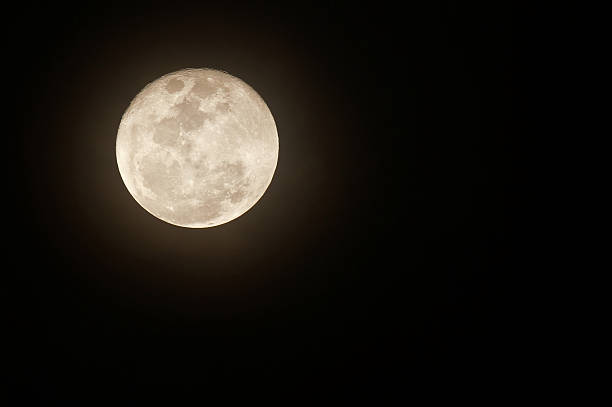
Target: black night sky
(377, 253)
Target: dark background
(379, 251)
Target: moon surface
(197, 148)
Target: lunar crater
(174, 85)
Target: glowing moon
(197, 148)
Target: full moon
(197, 148)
